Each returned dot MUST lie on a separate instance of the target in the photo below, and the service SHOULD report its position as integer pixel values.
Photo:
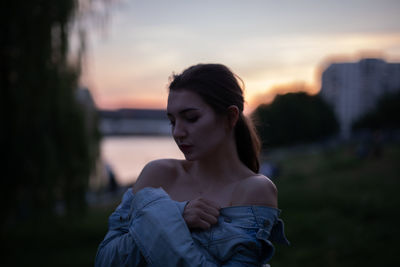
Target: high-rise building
(354, 88)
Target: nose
(179, 131)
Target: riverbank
(339, 210)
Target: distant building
(354, 88)
(134, 122)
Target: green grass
(338, 211)
(56, 242)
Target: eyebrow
(183, 111)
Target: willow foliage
(49, 148)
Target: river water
(127, 155)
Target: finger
(203, 225)
(212, 211)
(208, 218)
(210, 203)
(208, 209)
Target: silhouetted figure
(112, 183)
(270, 170)
(377, 144)
(371, 145)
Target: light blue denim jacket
(147, 229)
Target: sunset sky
(271, 45)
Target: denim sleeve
(251, 251)
(269, 234)
(260, 250)
(161, 233)
(118, 247)
(247, 235)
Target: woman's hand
(201, 213)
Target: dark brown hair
(218, 86)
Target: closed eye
(192, 119)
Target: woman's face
(196, 128)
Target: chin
(194, 157)
(190, 158)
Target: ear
(233, 116)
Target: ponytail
(247, 143)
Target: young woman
(211, 209)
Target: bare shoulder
(157, 173)
(256, 190)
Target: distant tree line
(385, 116)
(48, 150)
(294, 118)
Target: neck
(221, 166)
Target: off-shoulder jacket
(147, 229)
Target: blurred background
(83, 98)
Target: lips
(185, 148)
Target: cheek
(211, 133)
(206, 128)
